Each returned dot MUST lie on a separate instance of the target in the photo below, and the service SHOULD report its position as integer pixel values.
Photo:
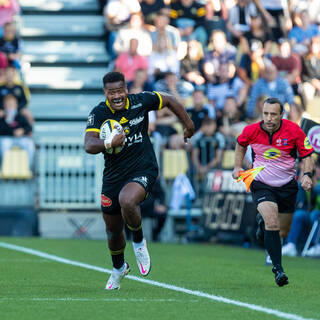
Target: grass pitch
(32, 287)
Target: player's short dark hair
(113, 76)
(274, 101)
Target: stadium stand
(15, 164)
(64, 47)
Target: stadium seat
(228, 159)
(15, 164)
(313, 109)
(71, 26)
(175, 162)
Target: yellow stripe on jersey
(93, 129)
(160, 98)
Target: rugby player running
(275, 142)
(129, 174)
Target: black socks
(272, 243)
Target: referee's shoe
(280, 277)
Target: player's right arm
(238, 160)
(241, 149)
(92, 142)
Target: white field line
(96, 300)
(277, 313)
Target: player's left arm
(178, 109)
(307, 172)
(305, 150)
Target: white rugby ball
(108, 130)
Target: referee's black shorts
(284, 196)
(110, 190)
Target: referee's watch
(309, 174)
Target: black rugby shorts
(111, 190)
(284, 196)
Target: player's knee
(127, 202)
(272, 224)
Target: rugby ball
(108, 130)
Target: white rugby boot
(142, 256)
(116, 277)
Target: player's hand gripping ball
(108, 130)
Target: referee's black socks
(272, 243)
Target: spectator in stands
(303, 32)
(190, 64)
(303, 219)
(240, 19)
(150, 9)
(3, 65)
(200, 109)
(311, 69)
(277, 15)
(220, 51)
(288, 64)
(117, 15)
(251, 64)
(10, 44)
(295, 113)
(208, 149)
(140, 82)
(164, 57)
(189, 17)
(135, 30)
(231, 122)
(154, 207)
(8, 9)
(258, 31)
(129, 62)
(162, 27)
(271, 85)
(14, 86)
(216, 16)
(180, 89)
(228, 84)
(15, 128)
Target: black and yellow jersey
(138, 153)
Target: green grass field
(33, 287)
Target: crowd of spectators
(16, 119)
(220, 58)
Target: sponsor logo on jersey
(135, 106)
(123, 120)
(307, 143)
(272, 153)
(126, 130)
(136, 121)
(90, 120)
(136, 138)
(142, 180)
(105, 201)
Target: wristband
(309, 174)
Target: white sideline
(274, 312)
